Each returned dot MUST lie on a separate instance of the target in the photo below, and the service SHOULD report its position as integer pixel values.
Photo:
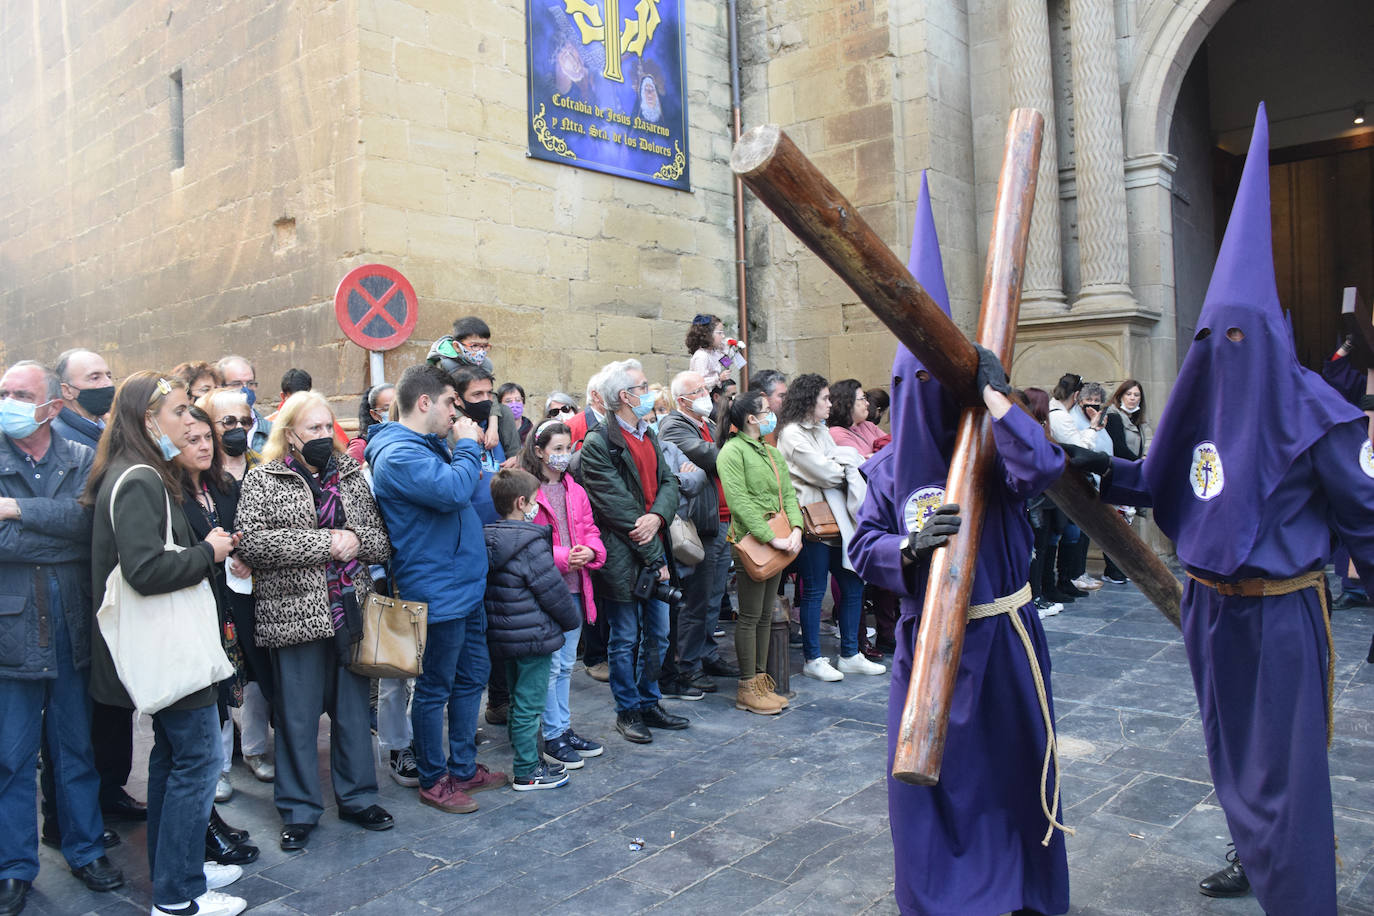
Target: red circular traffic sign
(376, 307)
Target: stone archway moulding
(1178, 30)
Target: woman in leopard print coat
(310, 528)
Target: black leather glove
(934, 533)
(990, 372)
(1086, 459)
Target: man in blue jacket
(425, 469)
(45, 607)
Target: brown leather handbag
(393, 642)
(762, 561)
(819, 522)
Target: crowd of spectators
(537, 531)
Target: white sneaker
(223, 790)
(821, 670)
(1087, 583)
(210, 903)
(217, 876)
(857, 664)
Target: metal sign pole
(377, 365)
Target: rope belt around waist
(1263, 588)
(1009, 605)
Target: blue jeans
(557, 715)
(639, 637)
(817, 562)
(23, 704)
(182, 770)
(455, 672)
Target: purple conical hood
(1242, 409)
(924, 417)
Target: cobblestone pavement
(743, 813)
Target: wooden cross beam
(790, 185)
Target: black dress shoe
(12, 894)
(219, 847)
(232, 834)
(51, 836)
(702, 681)
(1229, 882)
(1349, 600)
(100, 875)
(631, 725)
(655, 717)
(123, 807)
(295, 836)
(373, 817)
(718, 668)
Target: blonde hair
(662, 399)
(277, 447)
(217, 401)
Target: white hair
(615, 378)
(594, 385)
(559, 397)
(679, 385)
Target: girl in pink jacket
(577, 550)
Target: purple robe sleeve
(1030, 461)
(1349, 492)
(1125, 485)
(1342, 375)
(875, 547)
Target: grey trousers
(311, 682)
(701, 594)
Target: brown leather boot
(749, 697)
(769, 687)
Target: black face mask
(234, 442)
(96, 401)
(479, 412)
(317, 452)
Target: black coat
(529, 607)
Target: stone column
(1104, 255)
(1032, 86)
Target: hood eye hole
(922, 375)
(1235, 334)
(1202, 334)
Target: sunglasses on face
(231, 422)
(558, 411)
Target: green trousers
(528, 680)
(756, 600)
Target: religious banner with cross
(607, 87)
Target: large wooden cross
(782, 177)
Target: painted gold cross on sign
(604, 27)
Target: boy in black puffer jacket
(529, 608)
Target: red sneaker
(447, 796)
(482, 779)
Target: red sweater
(645, 456)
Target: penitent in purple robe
(971, 844)
(1246, 492)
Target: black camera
(648, 586)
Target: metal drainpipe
(742, 291)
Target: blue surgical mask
(164, 442)
(644, 407)
(768, 424)
(17, 418)
(250, 394)
(653, 426)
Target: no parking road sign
(376, 307)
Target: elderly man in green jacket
(634, 496)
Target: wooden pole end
(915, 779)
(754, 150)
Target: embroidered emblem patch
(1367, 457)
(920, 506)
(1206, 474)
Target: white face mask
(1130, 410)
(702, 406)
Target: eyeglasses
(642, 386)
(862, 397)
(231, 422)
(249, 383)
